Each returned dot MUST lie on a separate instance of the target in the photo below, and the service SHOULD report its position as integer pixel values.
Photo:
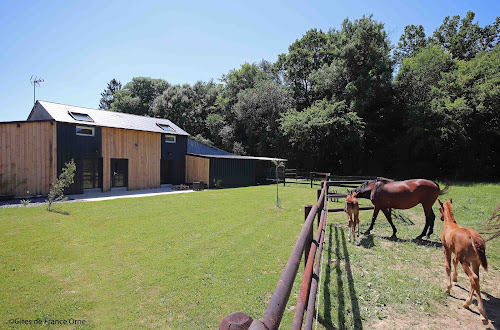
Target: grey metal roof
(196, 147)
(238, 157)
(61, 113)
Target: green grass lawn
(185, 261)
(363, 281)
(171, 261)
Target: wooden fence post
(309, 239)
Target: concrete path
(94, 196)
(115, 194)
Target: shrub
(66, 177)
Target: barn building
(112, 150)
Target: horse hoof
(466, 304)
(455, 279)
(419, 237)
(394, 238)
(485, 321)
(367, 232)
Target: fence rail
(312, 249)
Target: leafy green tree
(176, 103)
(326, 134)
(107, 96)
(421, 72)
(137, 96)
(463, 38)
(258, 111)
(468, 101)
(305, 55)
(410, 42)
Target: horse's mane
(362, 187)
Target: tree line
(348, 102)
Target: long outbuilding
(112, 150)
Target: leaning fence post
(309, 238)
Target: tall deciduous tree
(137, 96)
(412, 40)
(258, 111)
(464, 39)
(305, 55)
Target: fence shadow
(350, 282)
(326, 320)
(341, 262)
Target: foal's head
(442, 208)
(351, 194)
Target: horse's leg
(472, 278)
(388, 216)
(357, 222)
(427, 223)
(349, 224)
(455, 262)
(374, 217)
(475, 268)
(447, 256)
(429, 220)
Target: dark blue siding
(232, 172)
(176, 153)
(72, 146)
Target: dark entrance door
(119, 172)
(92, 173)
(165, 171)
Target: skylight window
(80, 116)
(166, 127)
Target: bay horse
(469, 249)
(386, 194)
(352, 210)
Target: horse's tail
(480, 248)
(445, 189)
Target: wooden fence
(312, 250)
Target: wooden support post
(318, 194)
(311, 177)
(309, 239)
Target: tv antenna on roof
(35, 81)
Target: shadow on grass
(58, 212)
(341, 252)
(368, 241)
(491, 306)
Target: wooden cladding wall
(27, 158)
(143, 151)
(197, 169)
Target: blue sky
(78, 47)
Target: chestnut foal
(469, 249)
(352, 210)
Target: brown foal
(469, 249)
(352, 210)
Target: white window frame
(74, 114)
(85, 127)
(170, 136)
(166, 127)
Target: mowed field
(186, 261)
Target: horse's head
(442, 207)
(365, 189)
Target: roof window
(165, 127)
(80, 116)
